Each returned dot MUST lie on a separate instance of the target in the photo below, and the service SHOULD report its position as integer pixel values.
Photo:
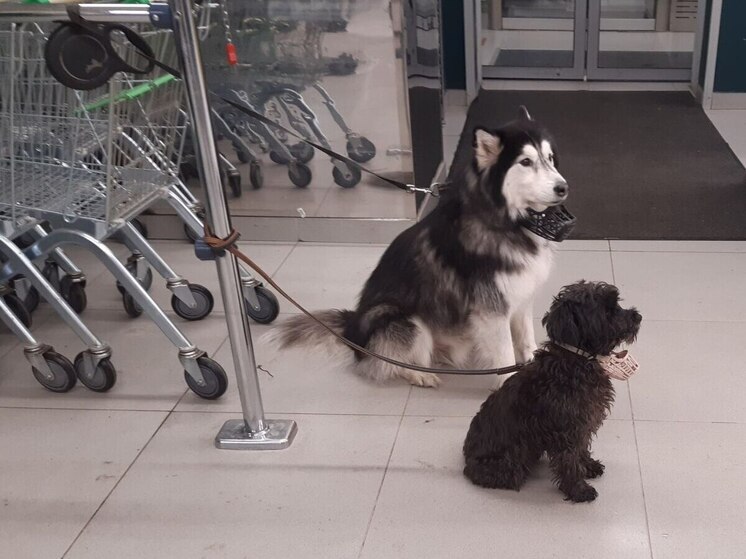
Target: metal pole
(253, 431)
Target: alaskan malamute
(456, 289)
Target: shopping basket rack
(85, 163)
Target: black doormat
(641, 165)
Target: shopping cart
(86, 163)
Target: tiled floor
(375, 471)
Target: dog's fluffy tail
(301, 330)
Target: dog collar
(619, 366)
(575, 350)
(554, 224)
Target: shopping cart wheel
(19, 309)
(278, 158)
(302, 152)
(269, 307)
(204, 300)
(146, 282)
(216, 381)
(130, 305)
(74, 293)
(255, 175)
(364, 151)
(140, 226)
(31, 300)
(299, 174)
(234, 182)
(242, 154)
(349, 179)
(104, 377)
(63, 373)
(51, 272)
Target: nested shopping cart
(85, 163)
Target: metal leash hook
(433, 190)
(253, 431)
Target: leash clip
(433, 190)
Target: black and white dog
(456, 289)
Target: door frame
(576, 72)
(596, 73)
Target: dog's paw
(582, 493)
(426, 380)
(594, 469)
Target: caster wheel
(74, 293)
(302, 152)
(300, 175)
(204, 300)
(51, 272)
(362, 150)
(140, 226)
(19, 309)
(349, 179)
(269, 307)
(234, 182)
(146, 282)
(243, 157)
(63, 373)
(216, 381)
(278, 158)
(191, 235)
(104, 377)
(31, 300)
(255, 175)
(130, 306)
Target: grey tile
(690, 371)
(428, 509)
(693, 478)
(183, 498)
(678, 246)
(149, 374)
(299, 381)
(327, 276)
(602, 246)
(683, 286)
(57, 467)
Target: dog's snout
(561, 188)
(636, 316)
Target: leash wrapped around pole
(228, 244)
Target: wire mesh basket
(101, 155)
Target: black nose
(636, 317)
(561, 188)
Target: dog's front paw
(593, 469)
(581, 493)
(426, 380)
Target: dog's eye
(526, 162)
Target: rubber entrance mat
(641, 165)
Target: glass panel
(528, 33)
(334, 72)
(651, 34)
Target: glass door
(541, 39)
(641, 39)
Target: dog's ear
(523, 113)
(610, 294)
(487, 147)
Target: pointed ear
(487, 148)
(523, 113)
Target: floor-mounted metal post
(253, 431)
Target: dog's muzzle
(554, 224)
(620, 365)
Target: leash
(229, 244)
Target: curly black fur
(556, 403)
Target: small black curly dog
(557, 402)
